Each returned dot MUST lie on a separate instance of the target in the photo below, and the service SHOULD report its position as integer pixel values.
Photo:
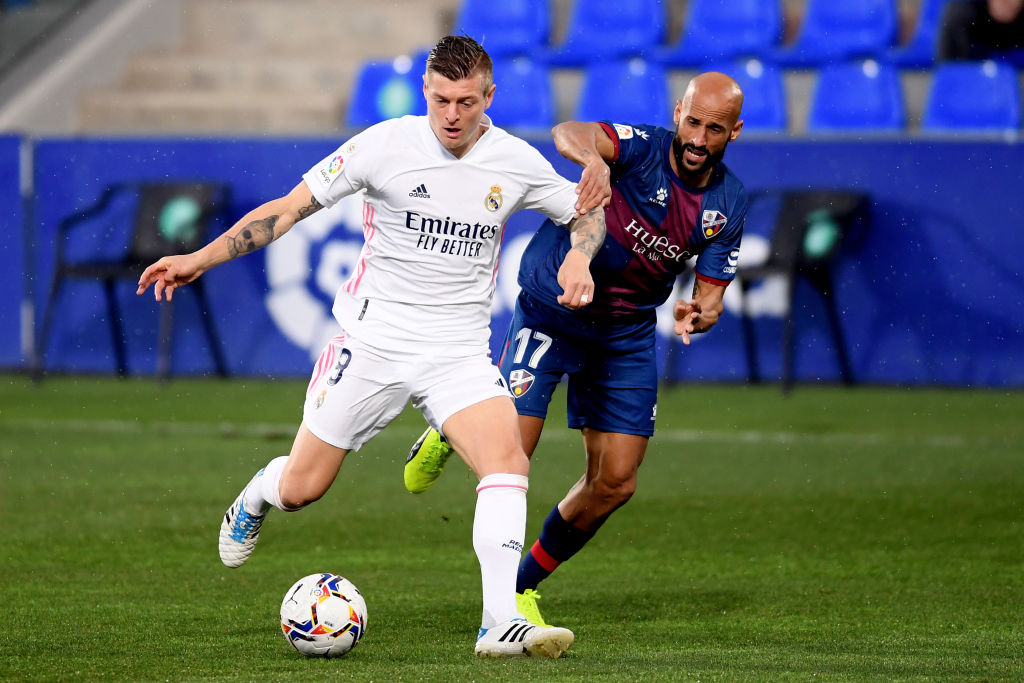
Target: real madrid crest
(493, 199)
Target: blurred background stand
(808, 232)
(170, 218)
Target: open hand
(168, 274)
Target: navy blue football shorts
(611, 366)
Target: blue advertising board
(931, 294)
(12, 253)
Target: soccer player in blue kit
(667, 197)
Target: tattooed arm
(588, 145)
(587, 236)
(255, 230)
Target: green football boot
(426, 461)
(526, 603)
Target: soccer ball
(323, 615)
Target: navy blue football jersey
(655, 224)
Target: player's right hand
(687, 315)
(594, 188)
(169, 273)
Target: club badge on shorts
(520, 381)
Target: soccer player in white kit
(414, 315)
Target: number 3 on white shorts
(523, 340)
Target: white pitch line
(781, 437)
(552, 433)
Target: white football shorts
(356, 391)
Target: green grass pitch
(838, 534)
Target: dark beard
(688, 176)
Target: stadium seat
(861, 96)
(809, 228)
(521, 27)
(169, 218)
(625, 91)
(982, 97)
(524, 100)
(717, 30)
(385, 90)
(919, 52)
(601, 30)
(1013, 57)
(834, 30)
(764, 93)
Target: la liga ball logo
(335, 165)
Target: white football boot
(519, 638)
(238, 533)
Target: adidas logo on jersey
(420, 192)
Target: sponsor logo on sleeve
(733, 261)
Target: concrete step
(204, 72)
(325, 29)
(239, 112)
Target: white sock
(499, 529)
(264, 490)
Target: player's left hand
(576, 281)
(687, 315)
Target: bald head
(716, 92)
(707, 119)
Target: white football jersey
(432, 226)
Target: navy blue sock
(558, 541)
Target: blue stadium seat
(524, 100)
(919, 53)
(1013, 57)
(837, 30)
(717, 30)
(385, 90)
(601, 30)
(625, 91)
(981, 97)
(764, 93)
(862, 96)
(520, 27)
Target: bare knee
(611, 492)
(511, 460)
(298, 494)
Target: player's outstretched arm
(255, 230)
(588, 145)
(586, 237)
(700, 313)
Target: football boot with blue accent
(238, 533)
